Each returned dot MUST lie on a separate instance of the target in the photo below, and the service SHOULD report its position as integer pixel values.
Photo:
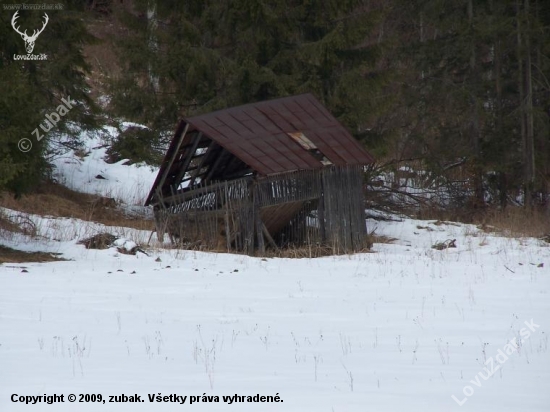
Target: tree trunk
(529, 150)
(497, 73)
(475, 128)
(152, 43)
(521, 89)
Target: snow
(403, 328)
(127, 245)
(127, 183)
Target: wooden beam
(169, 165)
(200, 145)
(257, 218)
(237, 174)
(187, 160)
(201, 164)
(214, 166)
(234, 163)
(182, 197)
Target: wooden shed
(273, 174)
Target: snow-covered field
(405, 328)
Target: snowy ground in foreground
(403, 328)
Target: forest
(452, 97)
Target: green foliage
(136, 144)
(31, 89)
(211, 55)
(462, 98)
(432, 80)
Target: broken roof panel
(244, 129)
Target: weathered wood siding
(311, 207)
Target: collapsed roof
(265, 138)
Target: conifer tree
(32, 89)
(466, 103)
(212, 55)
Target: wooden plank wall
(312, 207)
(343, 210)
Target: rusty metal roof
(260, 135)
(270, 137)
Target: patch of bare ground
(53, 199)
(9, 255)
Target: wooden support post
(249, 220)
(360, 205)
(258, 218)
(160, 226)
(268, 237)
(226, 217)
(321, 210)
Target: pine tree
(212, 55)
(32, 89)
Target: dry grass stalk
(9, 255)
(55, 200)
(517, 222)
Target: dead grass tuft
(17, 224)
(373, 238)
(53, 199)
(6, 225)
(308, 252)
(99, 241)
(9, 255)
(516, 222)
(383, 239)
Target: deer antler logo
(29, 40)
